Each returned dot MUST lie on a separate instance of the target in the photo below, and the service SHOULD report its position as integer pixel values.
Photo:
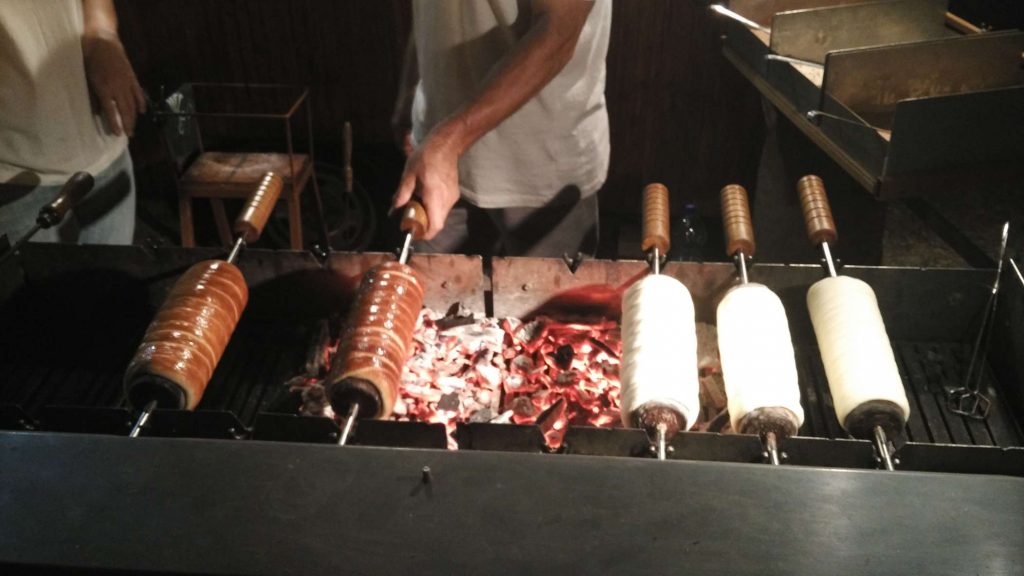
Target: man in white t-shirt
(68, 102)
(509, 140)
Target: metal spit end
(403, 255)
(771, 448)
(143, 419)
(1016, 270)
(661, 433)
(350, 420)
(1002, 244)
(884, 450)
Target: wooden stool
(220, 175)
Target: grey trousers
(105, 216)
(561, 227)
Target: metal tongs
(968, 400)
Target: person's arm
(431, 171)
(401, 119)
(110, 75)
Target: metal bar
(856, 170)
(59, 488)
(298, 102)
(791, 60)
(739, 18)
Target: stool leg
(295, 220)
(220, 216)
(188, 233)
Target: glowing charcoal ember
(474, 369)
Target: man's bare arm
(110, 75)
(543, 51)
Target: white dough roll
(758, 363)
(659, 349)
(854, 346)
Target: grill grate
(928, 369)
(263, 355)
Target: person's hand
(432, 174)
(113, 81)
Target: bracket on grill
(198, 424)
(500, 437)
(87, 419)
(14, 418)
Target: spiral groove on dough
(659, 350)
(251, 221)
(656, 219)
(758, 362)
(855, 348)
(188, 335)
(378, 337)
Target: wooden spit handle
(70, 194)
(656, 219)
(736, 221)
(414, 220)
(249, 224)
(817, 213)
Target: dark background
(679, 113)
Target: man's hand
(432, 170)
(107, 69)
(432, 174)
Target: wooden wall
(679, 113)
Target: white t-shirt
(47, 124)
(559, 138)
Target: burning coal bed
(467, 368)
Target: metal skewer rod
(403, 256)
(143, 419)
(989, 307)
(350, 421)
(656, 260)
(882, 444)
(21, 241)
(236, 250)
(661, 441)
(741, 19)
(771, 446)
(828, 259)
(1016, 270)
(975, 373)
(52, 214)
(791, 60)
(742, 263)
